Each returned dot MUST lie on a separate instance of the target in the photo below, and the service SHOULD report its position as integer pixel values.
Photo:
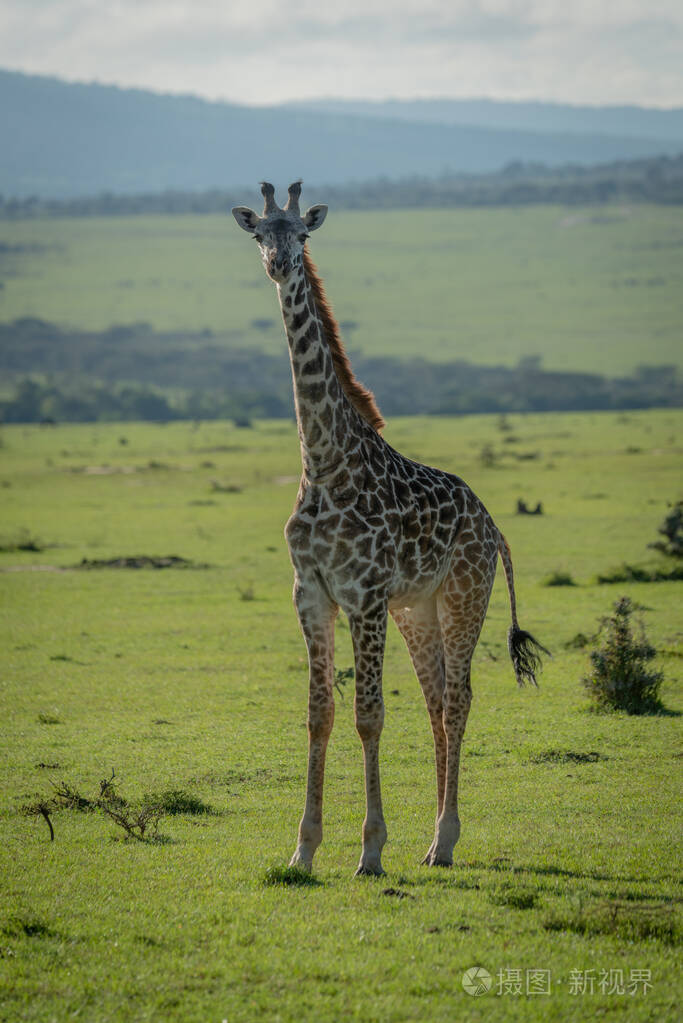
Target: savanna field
(593, 290)
(188, 682)
(193, 680)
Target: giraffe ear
(246, 218)
(314, 217)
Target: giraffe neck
(330, 429)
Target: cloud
(266, 51)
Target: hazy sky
(265, 51)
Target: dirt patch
(140, 561)
(397, 893)
(556, 756)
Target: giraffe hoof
(432, 860)
(366, 870)
(302, 863)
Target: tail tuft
(525, 652)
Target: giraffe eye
(258, 238)
(304, 236)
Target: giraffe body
(375, 533)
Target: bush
(672, 531)
(177, 801)
(619, 679)
(641, 574)
(291, 877)
(558, 578)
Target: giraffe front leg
(369, 634)
(316, 615)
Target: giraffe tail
(525, 651)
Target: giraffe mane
(361, 397)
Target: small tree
(672, 531)
(619, 679)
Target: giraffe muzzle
(279, 269)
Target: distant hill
(554, 118)
(64, 140)
(655, 180)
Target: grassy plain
(174, 680)
(596, 290)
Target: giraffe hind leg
(421, 631)
(462, 603)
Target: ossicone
(294, 191)
(268, 193)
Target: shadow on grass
(654, 710)
(628, 920)
(156, 839)
(516, 896)
(177, 801)
(26, 926)
(551, 870)
(456, 877)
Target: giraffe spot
(326, 527)
(313, 392)
(411, 526)
(392, 521)
(364, 547)
(334, 388)
(351, 525)
(368, 505)
(342, 553)
(344, 498)
(340, 433)
(402, 492)
(298, 320)
(312, 331)
(408, 559)
(314, 366)
(425, 544)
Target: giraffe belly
(409, 589)
(371, 547)
(372, 569)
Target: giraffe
(375, 534)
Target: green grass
(570, 821)
(596, 290)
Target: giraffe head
(280, 233)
